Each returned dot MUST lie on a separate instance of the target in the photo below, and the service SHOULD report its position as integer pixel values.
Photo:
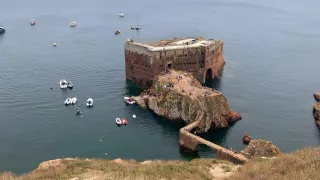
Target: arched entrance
(209, 75)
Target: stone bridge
(190, 141)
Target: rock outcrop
(261, 148)
(178, 95)
(317, 96)
(316, 113)
(246, 138)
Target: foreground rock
(178, 95)
(317, 96)
(261, 148)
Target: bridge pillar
(187, 142)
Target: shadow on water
(215, 83)
(132, 89)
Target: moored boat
(78, 112)
(118, 121)
(129, 100)
(32, 22)
(73, 24)
(2, 30)
(70, 85)
(124, 121)
(63, 84)
(74, 100)
(121, 14)
(90, 102)
(67, 101)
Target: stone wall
(143, 65)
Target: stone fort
(200, 57)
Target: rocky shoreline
(179, 96)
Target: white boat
(54, 44)
(63, 84)
(121, 14)
(73, 24)
(78, 112)
(129, 100)
(90, 102)
(118, 121)
(74, 100)
(32, 22)
(67, 101)
(70, 85)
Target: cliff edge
(177, 95)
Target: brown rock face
(316, 113)
(261, 148)
(184, 98)
(246, 138)
(317, 96)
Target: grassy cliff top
(303, 164)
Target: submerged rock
(261, 148)
(317, 96)
(179, 96)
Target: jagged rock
(316, 111)
(179, 96)
(246, 138)
(261, 148)
(318, 123)
(317, 96)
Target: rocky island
(177, 95)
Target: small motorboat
(2, 30)
(121, 14)
(134, 116)
(132, 27)
(117, 32)
(90, 102)
(78, 112)
(73, 24)
(74, 100)
(124, 121)
(118, 121)
(67, 101)
(32, 22)
(63, 84)
(137, 27)
(70, 85)
(129, 100)
(54, 44)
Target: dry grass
(300, 165)
(124, 169)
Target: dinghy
(90, 102)
(67, 101)
(63, 84)
(118, 121)
(129, 100)
(74, 100)
(124, 121)
(70, 85)
(78, 112)
(32, 22)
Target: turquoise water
(271, 50)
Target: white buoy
(134, 116)
(100, 140)
(54, 44)
(106, 153)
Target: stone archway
(208, 75)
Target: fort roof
(176, 43)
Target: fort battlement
(200, 57)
